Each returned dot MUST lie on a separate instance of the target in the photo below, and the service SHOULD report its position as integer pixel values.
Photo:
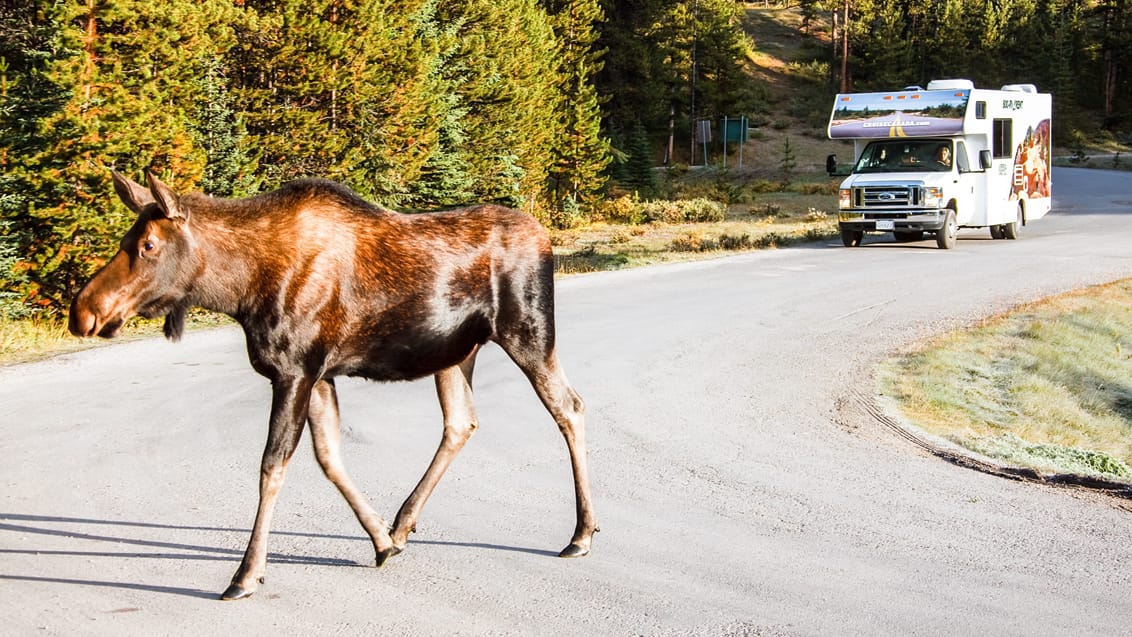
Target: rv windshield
(902, 156)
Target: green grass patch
(1046, 386)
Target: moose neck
(229, 266)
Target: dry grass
(29, 340)
(1046, 385)
(768, 221)
(26, 340)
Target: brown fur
(326, 284)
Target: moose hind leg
(454, 388)
(326, 435)
(568, 411)
(288, 411)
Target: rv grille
(887, 196)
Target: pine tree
(503, 74)
(677, 60)
(114, 75)
(337, 89)
(581, 153)
(29, 38)
(229, 169)
(886, 45)
(640, 171)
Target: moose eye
(148, 246)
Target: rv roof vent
(1021, 88)
(912, 88)
(950, 85)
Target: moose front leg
(289, 403)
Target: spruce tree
(445, 179)
(229, 169)
(337, 89)
(581, 153)
(503, 74)
(640, 171)
(113, 80)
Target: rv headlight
(933, 197)
(844, 198)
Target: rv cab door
(970, 189)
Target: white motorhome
(938, 159)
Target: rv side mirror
(984, 159)
(831, 164)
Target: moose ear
(165, 198)
(134, 195)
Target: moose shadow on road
(66, 528)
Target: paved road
(742, 486)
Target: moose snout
(95, 314)
(81, 322)
(83, 319)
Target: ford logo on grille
(886, 196)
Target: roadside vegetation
(1046, 386)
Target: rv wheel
(996, 232)
(852, 238)
(1013, 230)
(945, 236)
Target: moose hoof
(382, 556)
(234, 592)
(573, 550)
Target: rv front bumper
(904, 221)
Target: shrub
(741, 242)
(624, 209)
(703, 210)
(691, 242)
(629, 211)
(818, 189)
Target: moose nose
(81, 322)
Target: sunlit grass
(1048, 385)
(33, 339)
(28, 339)
(773, 220)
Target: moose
(324, 284)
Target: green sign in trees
(735, 132)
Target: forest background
(553, 106)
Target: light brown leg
(327, 437)
(289, 401)
(454, 387)
(568, 411)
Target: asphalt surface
(743, 484)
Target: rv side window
(1003, 144)
(980, 110)
(961, 157)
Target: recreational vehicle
(938, 159)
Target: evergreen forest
(544, 105)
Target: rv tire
(1014, 230)
(945, 236)
(852, 238)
